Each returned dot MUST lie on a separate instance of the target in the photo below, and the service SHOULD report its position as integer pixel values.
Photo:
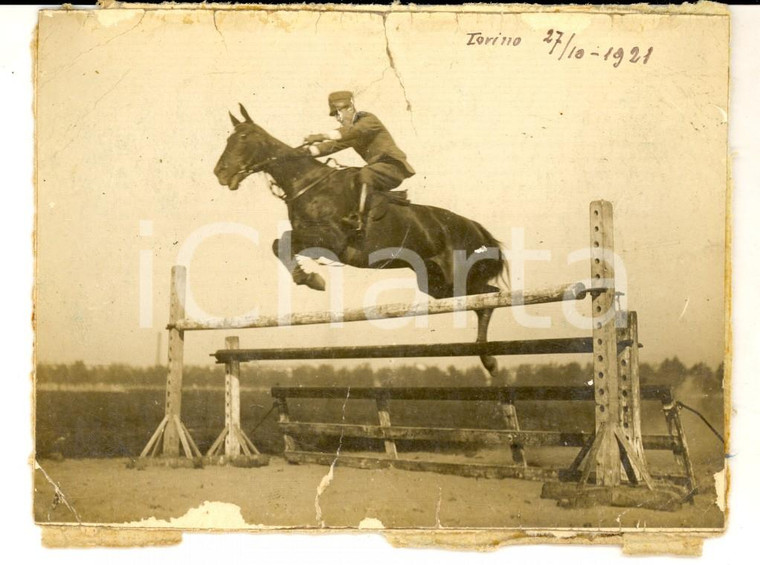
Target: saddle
(379, 201)
(375, 208)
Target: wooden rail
(475, 393)
(570, 291)
(529, 347)
(532, 438)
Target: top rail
(572, 291)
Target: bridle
(262, 165)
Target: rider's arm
(367, 125)
(328, 147)
(346, 136)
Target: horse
(450, 254)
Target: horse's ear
(235, 121)
(244, 113)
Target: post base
(231, 442)
(573, 495)
(156, 442)
(247, 461)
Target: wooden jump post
(171, 432)
(233, 438)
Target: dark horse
(451, 255)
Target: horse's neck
(291, 173)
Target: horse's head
(248, 150)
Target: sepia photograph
(419, 270)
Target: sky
(132, 116)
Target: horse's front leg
(283, 249)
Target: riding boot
(355, 220)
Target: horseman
(386, 166)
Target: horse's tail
(504, 273)
(501, 271)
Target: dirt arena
(285, 495)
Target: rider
(386, 164)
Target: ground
(280, 494)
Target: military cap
(342, 98)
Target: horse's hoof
(489, 363)
(315, 281)
(312, 280)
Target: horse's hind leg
(507, 407)
(283, 250)
(484, 318)
(489, 362)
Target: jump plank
(524, 347)
(526, 438)
(505, 299)
(519, 393)
(477, 470)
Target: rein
(260, 166)
(309, 186)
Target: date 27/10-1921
(566, 50)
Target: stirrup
(353, 221)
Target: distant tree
(474, 376)
(324, 375)
(433, 376)
(713, 384)
(195, 375)
(646, 373)
(702, 372)
(116, 373)
(78, 373)
(574, 374)
(524, 375)
(362, 375)
(452, 370)
(155, 375)
(503, 377)
(384, 375)
(546, 374)
(45, 373)
(671, 372)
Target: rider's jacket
(369, 138)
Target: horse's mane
(281, 148)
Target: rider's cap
(341, 98)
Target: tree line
(669, 372)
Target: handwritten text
(477, 38)
(564, 49)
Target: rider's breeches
(382, 175)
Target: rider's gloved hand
(309, 150)
(314, 138)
